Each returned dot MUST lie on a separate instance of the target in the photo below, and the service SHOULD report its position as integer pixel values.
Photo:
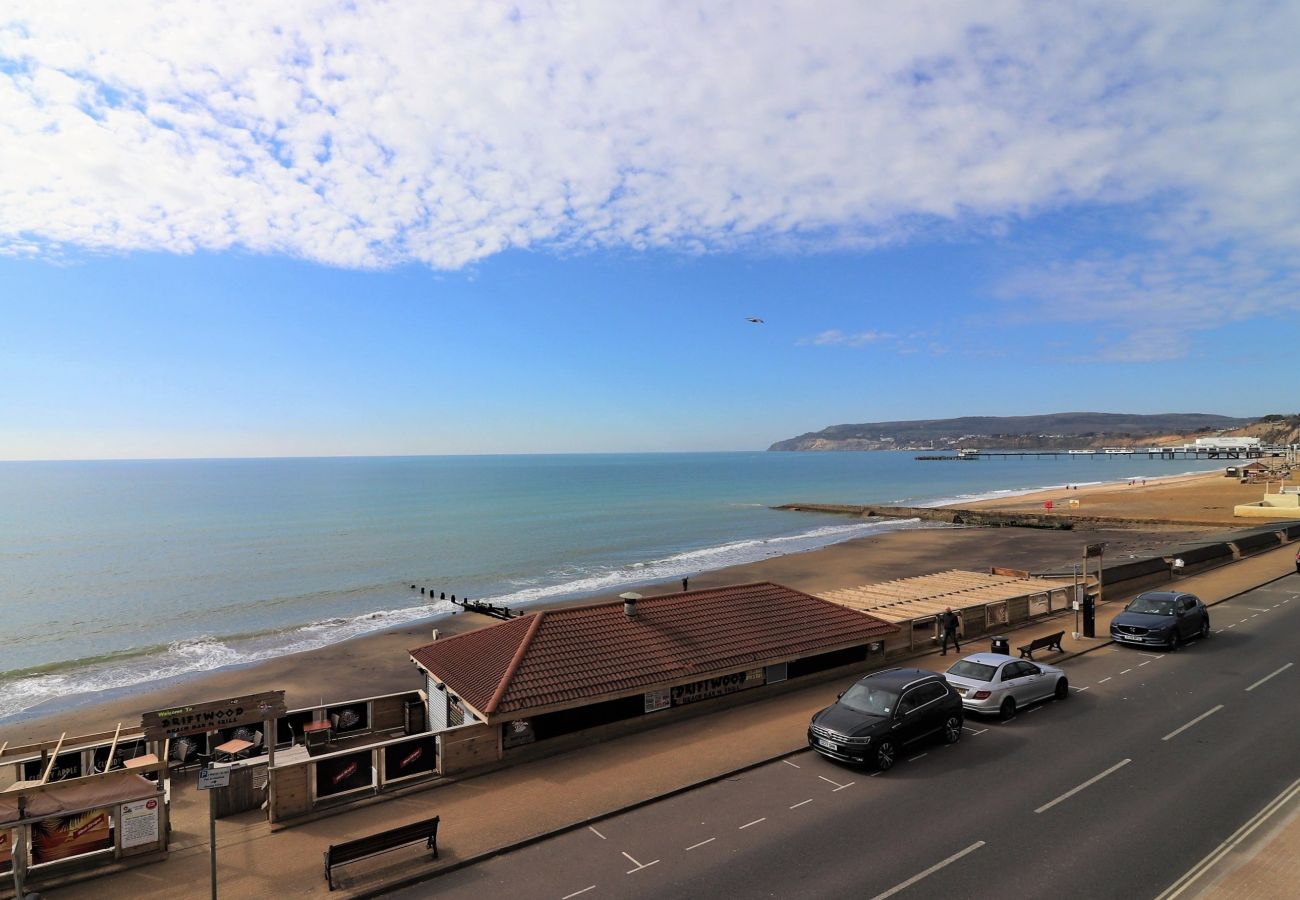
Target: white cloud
(376, 133)
(833, 337)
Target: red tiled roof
(584, 652)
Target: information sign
(214, 777)
(139, 823)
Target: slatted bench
(1043, 643)
(382, 842)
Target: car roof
(899, 678)
(988, 659)
(1163, 595)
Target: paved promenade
(483, 815)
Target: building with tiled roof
(562, 670)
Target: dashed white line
(1141, 664)
(597, 833)
(979, 730)
(1255, 610)
(1079, 689)
(918, 756)
(802, 803)
(755, 822)
(701, 843)
(928, 872)
(1233, 625)
(843, 786)
(1126, 671)
(1182, 728)
(1270, 675)
(590, 887)
(1104, 680)
(788, 763)
(1091, 781)
(828, 781)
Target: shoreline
(377, 663)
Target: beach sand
(378, 664)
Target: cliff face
(1056, 431)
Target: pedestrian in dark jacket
(949, 623)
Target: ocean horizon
(125, 573)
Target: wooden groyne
(946, 514)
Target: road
(1152, 762)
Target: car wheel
(1008, 709)
(885, 756)
(1205, 628)
(1177, 642)
(1062, 689)
(952, 730)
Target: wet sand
(378, 664)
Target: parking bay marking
(1270, 675)
(928, 872)
(639, 866)
(838, 786)
(1182, 728)
(755, 822)
(597, 833)
(702, 843)
(788, 763)
(796, 806)
(1089, 783)
(590, 887)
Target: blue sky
(526, 228)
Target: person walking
(949, 623)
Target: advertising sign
(65, 836)
(517, 733)
(139, 823)
(340, 774)
(716, 687)
(418, 757)
(66, 765)
(212, 716)
(6, 848)
(657, 700)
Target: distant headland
(1069, 430)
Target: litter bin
(1001, 645)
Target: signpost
(210, 779)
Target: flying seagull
(754, 320)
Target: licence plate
(829, 745)
(962, 691)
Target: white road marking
(843, 786)
(1243, 621)
(982, 730)
(1141, 664)
(1149, 655)
(1034, 709)
(788, 763)
(928, 872)
(591, 887)
(1080, 689)
(1106, 679)
(828, 781)
(918, 756)
(1126, 671)
(1233, 625)
(638, 865)
(1255, 610)
(1270, 675)
(802, 803)
(755, 822)
(1218, 631)
(1181, 729)
(1231, 843)
(701, 843)
(1091, 781)
(597, 833)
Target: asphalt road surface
(1118, 791)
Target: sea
(115, 574)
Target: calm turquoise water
(118, 573)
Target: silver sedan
(991, 683)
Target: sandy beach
(378, 664)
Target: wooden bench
(382, 842)
(1043, 643)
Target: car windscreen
(1156, 606)
(973, 670)
(873, 701)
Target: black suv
(884, 712)
(1161, 619)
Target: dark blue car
(1162, 619)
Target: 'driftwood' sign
(212, 715)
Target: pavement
(489, 814)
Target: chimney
(629, 603)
